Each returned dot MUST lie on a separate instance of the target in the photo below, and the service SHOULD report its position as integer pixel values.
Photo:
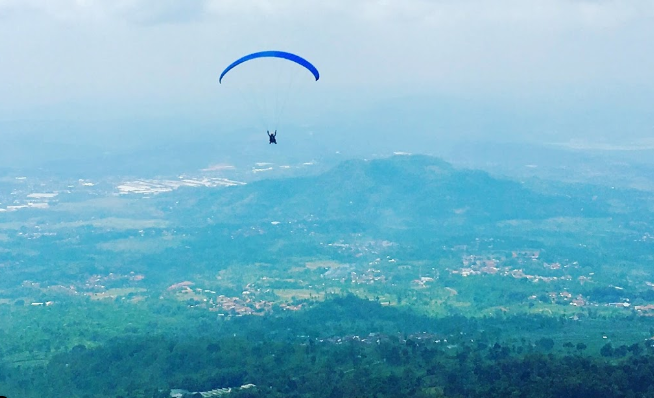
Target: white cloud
(153, 51)
(137, 11)
(597, 13)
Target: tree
(545, 343)
(635, 349)
(620, 351)
(607, 350)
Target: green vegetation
(343, 347)
(403, 277)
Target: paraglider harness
(272, 136)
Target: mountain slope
(400, 191)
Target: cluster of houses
(180, 393)
(99, 282)
(225, 305)
(419, 338)
(497, 264)
(239, 306)
(368, 277)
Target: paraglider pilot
(271, 137)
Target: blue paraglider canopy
(273, 54)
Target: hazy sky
(557, 68)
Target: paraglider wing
(273, 54)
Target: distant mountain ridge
(399, 191)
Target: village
(272, 291)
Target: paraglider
(273, 54)
(272, 137)
(279, 100)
